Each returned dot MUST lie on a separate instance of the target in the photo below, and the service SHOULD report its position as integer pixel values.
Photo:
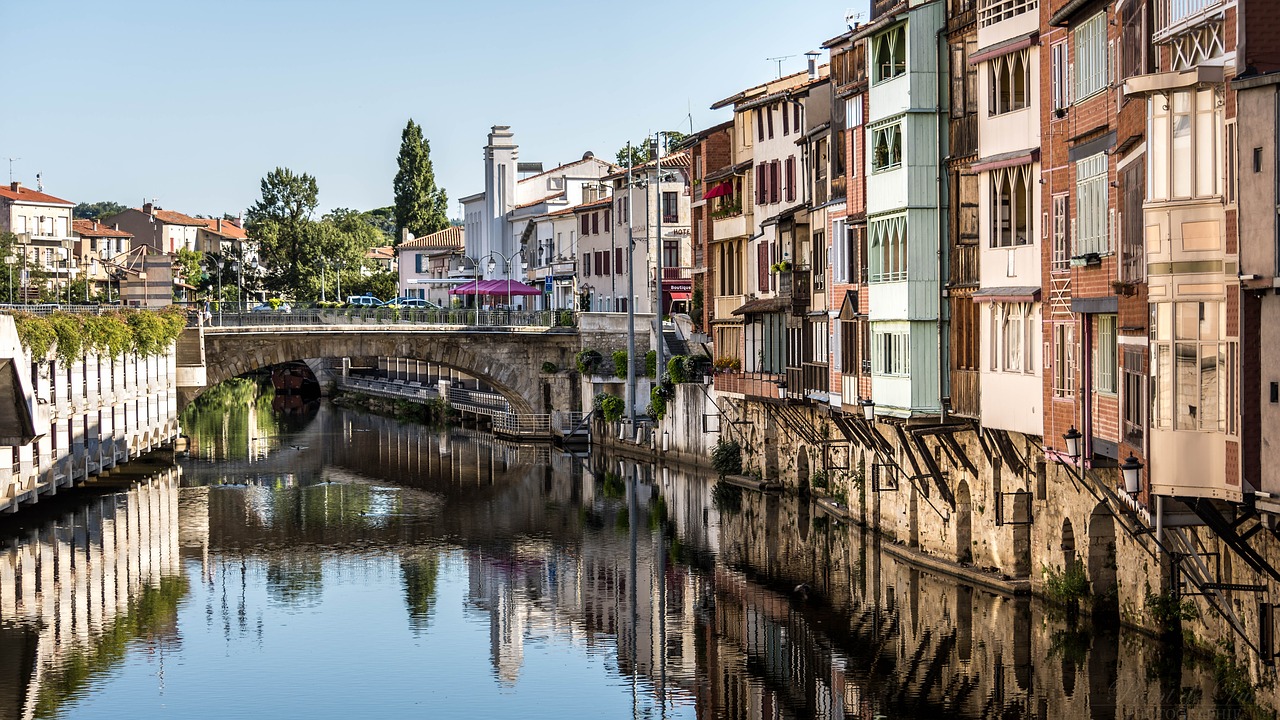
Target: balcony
(751, 384)
(1172, 16)
(966, 393)
(964, 266)
(880, 8)
(729, 226)
(795, 283)
(726, 304)
(676, 273)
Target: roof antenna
(11, 161)
(39, 183)
(853, 18)
(779, 60)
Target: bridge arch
(510, 362)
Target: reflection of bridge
(507, 358)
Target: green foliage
(657, 403)
(726, 498)
(420, 206)
(587, 361)
(727, 364)
(549, 368)
(187, 266)
(1067, 587)
(820, 480)
(685, 368)
(695, 305)
(620, 359)
(97, 210)
(726, 458)
(651, 363)
(1169, 611)
(281, 222)
(73, 336)
(379, 284)
(614, 487)
(611, 407)
(565, 319)
(638, 154)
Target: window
(584, 224)
(1058, 76)
(595, 223)
(600, 263)
(1016, 338)
(842, 251)
(769, 119)
(586, 264)
(786, 121)
(1011, 211)
(1064, 360)
(1135, 40)
(671, 254)
(1061, 260)
(670, 207)
(1090, 40)
(1185, 144)
(617, 261)
(760, 123)
(886, 147)
(775, 181)
(1091, 205)
(1010, 78)
(1194, 378)
(1104, 355)
(890, 353)
(993, 11)
(1134, 379)
(848, 347)
(819, 262)
(889, 249)
(889, 54)
(606, 220)
(1133, 259)
(796, 113)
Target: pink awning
(495, 287)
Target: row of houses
(1026, 213)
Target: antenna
(779, 60)
(853, 17)
(11, 161)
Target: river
(304, 560)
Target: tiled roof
(93, 228)
(449, 237)
(674, 160)
(28, 195)
(229, 229)
(172, 217)
(539, 201)
(568, 164)
(385, 252)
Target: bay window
(1194, 377)
(1185, 151)
(1011, 206)
(888, 249)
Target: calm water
(307, 561)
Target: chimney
(813, 56)
(95, 224)
(219, 224)
(15, 186)
(147, 208)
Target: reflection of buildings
(74, 587)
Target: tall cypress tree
(421, 206)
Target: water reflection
(444, 572)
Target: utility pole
(655, 149)
(631, 309)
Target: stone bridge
(508, 359)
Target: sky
(192, 102)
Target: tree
(640, 151)
(187, 265)
(420, 206)
(281, 222)
(98, 210)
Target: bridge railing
(398, 316)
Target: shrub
(550, 368)
(726, 458)
(145, 332)
(565, 318)
(620, 359)
(675, 369)
(1169, 611)
(612, 407)
(651, 363)
(1067, 587)
(587, 361)
(657, 403)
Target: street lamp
(1131, 469)
(10, 260)
(506, 268)
(1072, 438)
(868, 409)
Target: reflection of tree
(420, 573)
(295, 579)
(152, 618)
(228, 418)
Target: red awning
(724, 188)
(678, 295)
(495, 287)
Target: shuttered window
(1091, 205)
(791, 179)
(1090, 40)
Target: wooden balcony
(966, 393)
(749, 384)
(795, 284)
(730, 226)
(726, 304)
(964, 135)
(817, 378)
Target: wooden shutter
(762, 267)
(791, 179)
(761, 185)
(606, 221)
(786, 121)
(584, 225)
(617, 261)
(775, 182)
(606, 255)
(760, 123)
(769, 110)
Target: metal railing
(520, 425)
(401, 316)
(1169, 13)
(387, 388)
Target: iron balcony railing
(1169, 14)
(496, 319)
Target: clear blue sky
(193, 101)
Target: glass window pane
(1188, 321)
(1164, 386)
(1188, 386)
(1209, 386)
(1209, 329)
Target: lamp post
(1131, 469)
(10, 260)
(66, 247)
(506, 268)
(868, 409)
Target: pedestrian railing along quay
(473, 319)
(387, 388)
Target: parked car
(411, 302)
(363, 301)
(267, 307)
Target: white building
(42, 223)
(499, 220)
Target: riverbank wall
(968, 499)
